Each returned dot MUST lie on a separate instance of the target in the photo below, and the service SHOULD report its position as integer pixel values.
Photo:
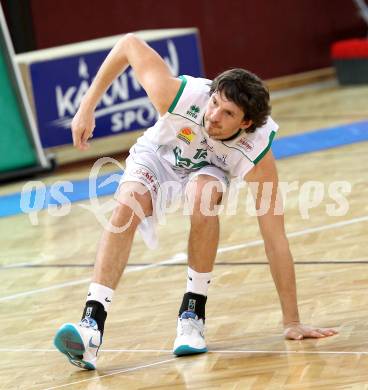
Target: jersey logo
(222, 159)
(245, 144)
(184, 162)
(193, 111)
(186, 134)
(205, 144)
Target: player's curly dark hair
(247, 91)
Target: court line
(283, 147)
(214, 351)
(22, 264)
(39, 290)
(112, 373)
(299, 233)
(346, 116)
(293, 352)
(220, 263)
(182, 256)
(83, 281)
(98, 377)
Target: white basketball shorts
(166, 185)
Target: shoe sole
(188, 350)
(69, 342)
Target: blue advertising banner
(59, 85)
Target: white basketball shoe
(190, 335)
(79, 342)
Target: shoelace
(187, 325)
(87, 323)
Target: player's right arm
(150, 70)
(277, 249)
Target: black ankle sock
(195, 303)
(96, 310)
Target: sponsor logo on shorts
(245, 144)
(186, 134)
(147, 177)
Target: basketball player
(207, 132)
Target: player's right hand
(82, 128)
(299, 331)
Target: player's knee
(205, 193)
(123, 215)
(134, 203)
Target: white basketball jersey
(179, 136)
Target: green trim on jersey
(178, 95)
(238, 149)
(267, 148)
(272, 135)
(184, 117)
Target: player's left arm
(263, 178)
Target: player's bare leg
(80, 342)
(204, 195)
(114, 248)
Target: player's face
(223, 117)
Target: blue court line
(288, 146)
(322, 139)
(45, 196)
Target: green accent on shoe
(80, 363)
(66, 340)
(187, 350)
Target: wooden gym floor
(46, 268)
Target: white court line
(214, 351)
(173, 260)
(297, 234)
(182, 256)
(297, 90)
(54, 287)
(241, 351)
(113, 373)
(293, 352)
(18, 265)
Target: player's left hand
(300, 331)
